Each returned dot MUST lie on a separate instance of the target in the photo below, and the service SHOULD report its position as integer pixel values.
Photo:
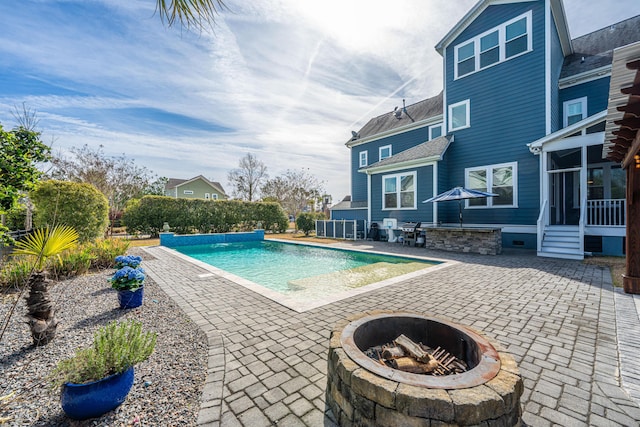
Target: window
(399, 191)
(363, 158)
(384, 152)
(459, 115)
(574, 111)
(435, 131)
(466, 59)
(207, 196)
(188, 191)
(516, 38)
(215, 196)
(499, 44)
(499, 179)
(489, 49)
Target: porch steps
(561, 241)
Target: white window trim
(397, 176)
(188, 192)
(380, 152)
(207, 196)
(440, 125)
(214, 196)
(363, 156)
(489, 169)
(502, 43)
(450, 115)
(565, 104)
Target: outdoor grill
(410, 233)
(410, 227)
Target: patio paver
(574, 336)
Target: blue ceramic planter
(82, 401)
(131, 299)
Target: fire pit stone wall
(358, 397)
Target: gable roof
(595, 50)
(427, 151)
(414, 115)
(558, 14)
(176, 182)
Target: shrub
(116, 347)
(306, 221)
(147, 215)
(73, 263)
(104, 252)
(15, 272)
(77, 205)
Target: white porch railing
(610, 212)
(582, 223)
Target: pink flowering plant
(127, 279)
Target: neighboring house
(522, 115)
(194, 188)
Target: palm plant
(190, 12)
(43, 244)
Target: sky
(285, 80)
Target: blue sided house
(522, 115)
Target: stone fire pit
(363, 392)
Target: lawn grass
(135, 243)
(615, 264)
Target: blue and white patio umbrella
(459, 194)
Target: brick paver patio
(574, 336)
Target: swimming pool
(302, 276)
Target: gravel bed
(167, 386)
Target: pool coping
(301, 307)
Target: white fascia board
(468, 19)
(560, 19)
(403, 165)
(564, 132)
(584, 77)
(411, 126)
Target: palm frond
(189, 12)
(44, 243)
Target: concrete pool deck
(575, 337)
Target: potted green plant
(43, 244)
(129, 282)
(98, 379)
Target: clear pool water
(290, 268)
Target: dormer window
(499, 44)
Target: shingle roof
(421, 110)
(174, 182)
(597, 47)
(433, 148)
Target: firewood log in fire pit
(406, 355)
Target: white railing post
(540, 224)
(583, 213)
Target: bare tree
(294, 190)
(118, 177)
(248, 178)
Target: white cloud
(288, 80)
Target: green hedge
(188, 216)
(78, 205)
